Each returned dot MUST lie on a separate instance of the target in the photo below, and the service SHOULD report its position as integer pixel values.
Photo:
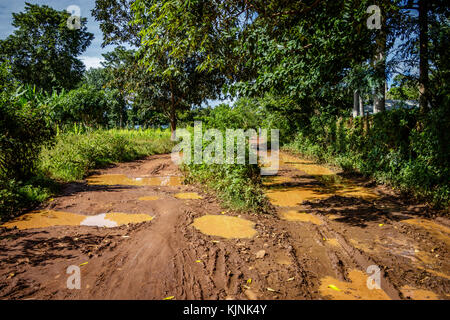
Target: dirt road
(137, 232)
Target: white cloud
(91, 62)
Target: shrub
(401, 147)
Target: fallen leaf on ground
(290, 279)
(169, 298)
(332, 286)
(270, 289)
(83, 264)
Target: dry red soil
(323, 234)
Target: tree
(154, 79)
(43, 51)
(404, 88)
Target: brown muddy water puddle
(418, 294)
(225, 226)
(188, 196)
(355, 289)
(293, 215)
(121, 179)
(148, 198)
(50, 218)
(330, 184)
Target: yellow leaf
(332, 286)
(83, 264)
(270, 289)
(12, 274)
(380, 225)
(291, 279)
(249, 281)
(198, 260)
(169, 298)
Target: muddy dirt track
(138, 233)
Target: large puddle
(225, 226)
(293, 191)
(293, 215)
(50, 218)
(355, 289)
(121, 179)
(188, 195)
(438, 231)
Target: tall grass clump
(76, 153)
(403, 148)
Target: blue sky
(91, 57)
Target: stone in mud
(260, 254)
(250, 294)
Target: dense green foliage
(43, 50)
(71, 158)
(393, 149)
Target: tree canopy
(43, 51)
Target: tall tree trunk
(361, 106)
(173, 115)
(173, 122)
(355, 104)
(423, 64)
(379, 99)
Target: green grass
(71, 158)
(238, 187)
(74, 155)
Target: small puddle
(225, 226)
(333, 241)
(438, 231)
(121, 179)
(418, 294)
(330, 184)
(188, 195)
(149, 198)
(356, 289)
(436, 273)
(292, 197)
(293, 215)
(283, 259)
(307, 166)
(50, 218)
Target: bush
(401, 147)
(24, 129)
(238, 186)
